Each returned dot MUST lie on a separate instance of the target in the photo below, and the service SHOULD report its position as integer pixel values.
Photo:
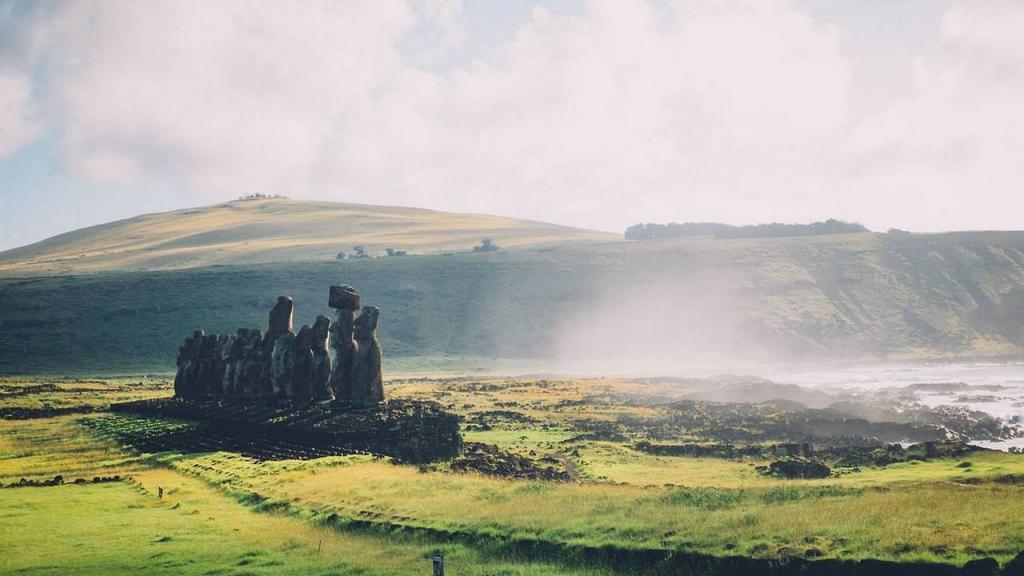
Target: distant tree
(486, 245)
(360, 252)
(718, 230)
(674, 230)
(258, 196)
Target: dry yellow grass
(255, 231)
(926, 518)
(39, 449)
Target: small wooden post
(438, 563)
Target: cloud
(18, 125)
(624, 111)
(234, 97)
(949, 148)
(610, 116)
(446, 15)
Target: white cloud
(950, 148)
(18, 125)
(731, 110)
(611, 116)
(234, 97)
(446, 15)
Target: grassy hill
(653, 306)
(271, 230)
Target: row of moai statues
(281, 364)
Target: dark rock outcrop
(493, 461)
(795, 468)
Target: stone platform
(409, 431)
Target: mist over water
(698, 327)
(672, 324)
(994, 388)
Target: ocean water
(993, 388)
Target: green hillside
(272, 230)
(585, 305)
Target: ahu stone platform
(409, 431)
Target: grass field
(224, 513)
(126, 528)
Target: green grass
(77, 393)
(846, 295)
(40, 449)
(935, 518)
(126, 528)
(941, 510)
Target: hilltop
(272, 230)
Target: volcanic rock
(794, 468)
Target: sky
(591, 113)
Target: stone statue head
(281, 316)
(321, 329)
(366, 323)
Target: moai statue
(252, 364)
(209, 357)
(346, 301)
(227, 360)
(280, 341)
(279, 327)
(179, 376)
(262, 387)
(190, 367)
(216, 382)
(320, 369)
(184, 363)
(281, 316)
(302, 370)
(282, 364)
(367, 381)
(236, 362)
(199, 362)
(196, 366)
(247, 372)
